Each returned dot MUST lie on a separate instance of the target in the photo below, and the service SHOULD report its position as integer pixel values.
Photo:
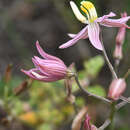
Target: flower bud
(121, 33)
(120, 40)
(117, 87)
(88, 125)
(118, 52)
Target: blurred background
(22, 22)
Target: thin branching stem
(121, 104)
(91, 94)
(108, 121)
(105, 125)
(114, 75)
(108, 61)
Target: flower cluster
(51, 68)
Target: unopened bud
(118, 52)
(88, 125)
(120, 40)
(93, 127)
(117, 87)
(77, 122)
(121, 33)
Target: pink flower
(116, 89)
(49, 69)
(120, 40)
(92, 30)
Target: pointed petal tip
(112, 14)
(34, 60)
(36, 57)
(77, 13)
(124, 14)
(72, 2)
(71, 35)
(61, 47)
(37, 43)
(66, 45)
(24, 71)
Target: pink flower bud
(87, 125)
(49, 69)
(121, 33)
(118, 52)
(117, 87)
(120, 40)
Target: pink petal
(85, 36)
(38, 67)
(124, 14)
(28, 73)
(100, 19)
(44, 54)
(87, 125)
(50, 67)
(72, 35)
(79, 36)
(42, 78)
(49, 62)
(35, 62)
(116, 22)
(93, 33)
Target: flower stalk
(114, 75)
(91, 94)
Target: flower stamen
(89, 9)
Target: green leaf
(124, 128)
(45, 126)
(82, 74)
(80, 101)
(97, 90)
(94, 65)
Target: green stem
(114, 75)
(91, 94)
(6, 92)
(105, 125)
(113, 110)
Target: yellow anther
(84, 10)
(88, 8)
(88, 5)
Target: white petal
(77, 13)
(38, 75)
